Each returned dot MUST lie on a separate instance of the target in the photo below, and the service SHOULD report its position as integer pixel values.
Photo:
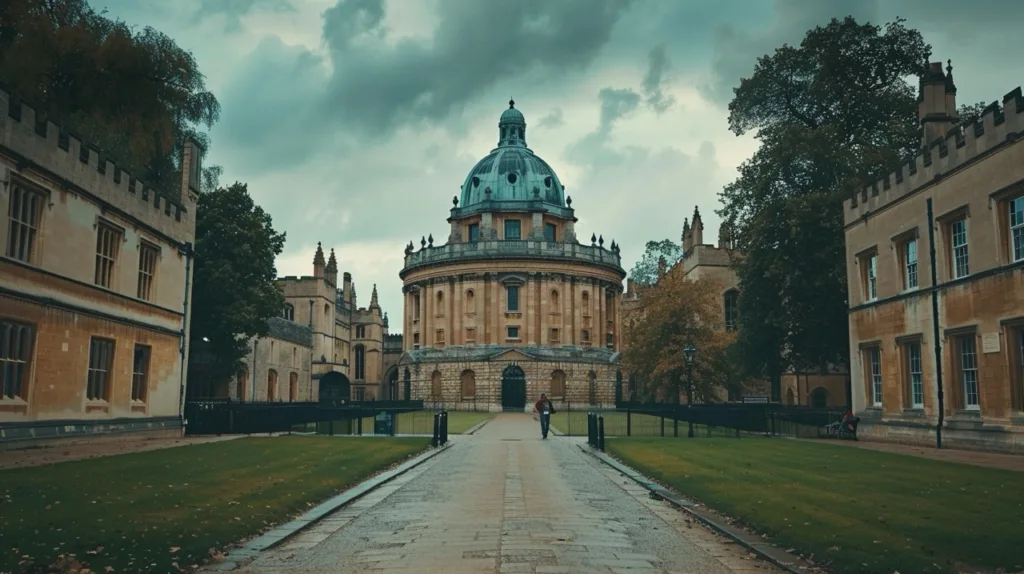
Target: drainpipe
(187, 251)
(935, 326)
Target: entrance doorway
(334, 388)
(513, 389)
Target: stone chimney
(318, 262)
(191, 169)
(346, 278)
(332, 270)
(936, 102)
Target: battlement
(80, 167)
(962, 145)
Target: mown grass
(855, 510)
(166, 509)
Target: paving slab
(506, 500)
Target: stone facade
(512, 291)
(95, 275)
(705, 260)
(333, 346)
(278, 366)
(973, 175)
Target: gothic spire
(373, 298)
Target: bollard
(437, 430)
(592, 429)
(663, 423)
(629, 422)
(600, 434)
(675, 421)
(444, 427)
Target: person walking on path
(545, 409)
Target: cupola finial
(511, 103)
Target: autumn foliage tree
(673, 313)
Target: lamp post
(688, 355)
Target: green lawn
(153, 510)
(859, 510)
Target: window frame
(23, 363)
(551, 237)
(1014, 336)
(509, 290)
(732, 311)
(964, 368)
(35, 228)
(518, 227)
(912, 388)
(107, 262)
(1015, 244)
(954, 267)
(93, 371)
(473, 232)
(512, 333)
(874, 375)
(140, 377)
(144, 291)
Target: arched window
(289, 312)
(327, 310)
(586, 303)
(470, 302)
(416, 306)
(819, 398)
(557, 390)
(271, 385)
(440, 302)
(360, 360)
(732, 309)
(555, 307)
(293, 387)
(435, 386)
(468, 380)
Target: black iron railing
(225, 416)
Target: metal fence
(225, 416)
(698, 421)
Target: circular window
(512, 178)
(547, 181)
(476, 182)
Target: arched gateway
(513, 389)
(334, 387)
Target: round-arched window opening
(476, 181)
(547, 181)
(520, 131)
(512, 178)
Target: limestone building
(327, 346)
(963, 196)
(707, 260)
(95, 275)
(512, 305)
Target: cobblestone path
(503, 500)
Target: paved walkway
(503, 500)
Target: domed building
(512, 305)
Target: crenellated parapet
(569, 252)
(77, 166)
(998, 126)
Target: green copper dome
(512, 172)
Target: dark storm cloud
(653, 79)
(379, 85)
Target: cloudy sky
(354, 122)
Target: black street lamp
(689, 354)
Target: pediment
(511, 355)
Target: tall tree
(234, 292)
(137, 95)
(645, 272)
(673, 313)
(830, 114)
